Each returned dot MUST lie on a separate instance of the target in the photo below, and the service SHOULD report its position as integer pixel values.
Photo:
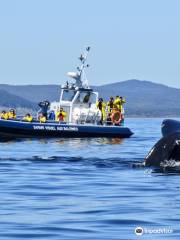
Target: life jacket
(102, 107)
(110, 105)
(42, 119)
(118, 103)
(11, 115)
(60, 116)
(4, 116)
(28, 118)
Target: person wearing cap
(4, 115)
(110, 104)
(101, 105)
(12, 114)
(61, 115)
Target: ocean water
(87, 189)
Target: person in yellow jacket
(110, 104)
(4, 115)
(61, 115)
(12, 114)
(118, 103)
(102, 107)
(42, 118)
(28, 118)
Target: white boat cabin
(77, 99)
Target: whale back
(170, 126)
(166, 148)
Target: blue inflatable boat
(82, 119)
(17, 128)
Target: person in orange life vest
(61, 115)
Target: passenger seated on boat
(28, 118)
(102, 107)
(52, 115)
(42, 118)
(12, 114)
(61, 115)
(4, 115)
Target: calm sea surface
(86, 188)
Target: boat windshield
(86, 97)
(93, 98)
(68, 95)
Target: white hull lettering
(38, 127)
(53, 128)
(50, 128)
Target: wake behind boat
(80, 117)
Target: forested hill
(143, 98)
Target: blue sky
(130, 39)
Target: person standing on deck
(110, 104)
(102, 107)
(44, 106)
(118, 103)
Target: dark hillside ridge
(13, 101)
(144, 98)
(33, 93)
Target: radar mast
(80, 76)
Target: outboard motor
(168, 147)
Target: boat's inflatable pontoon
(15, 128)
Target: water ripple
(86, 188)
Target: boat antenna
(80, 76)
(81, 69)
